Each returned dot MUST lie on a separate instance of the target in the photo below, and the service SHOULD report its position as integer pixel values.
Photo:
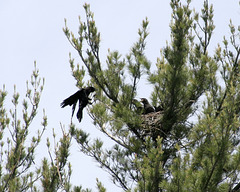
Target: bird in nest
(146, 106)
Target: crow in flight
(146, 106)
(82, 97)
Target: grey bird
(146, 106)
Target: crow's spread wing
(72, 100)
(73, 108)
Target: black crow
(147, 107)
(82, 97)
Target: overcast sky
(31, 30)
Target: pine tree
(17, 156)
(165, 150)
(18, 171)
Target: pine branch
(233, 73)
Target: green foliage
(56, 174)
(100, 186)
(17, 156)
(150, 166)
(18, 171)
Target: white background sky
(32, 30)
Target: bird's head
(144, 100)
(90, 90)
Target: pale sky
(31, 30)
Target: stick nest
(152, 124)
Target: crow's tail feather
(79, 114)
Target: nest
(152, 124)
